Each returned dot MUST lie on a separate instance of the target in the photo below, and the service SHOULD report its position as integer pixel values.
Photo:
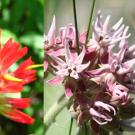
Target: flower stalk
(51, 114)
(71, 125)
(76, 26)
(90, 21)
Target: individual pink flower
(105, 36)
(102, 113)
(54, 45)
(116, 63)
(118, 93)
(72, 66)
(67, 34)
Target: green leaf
(6, 34)
(33, 39)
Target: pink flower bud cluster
(100, 76)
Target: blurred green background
(24, 22)
(63, 11)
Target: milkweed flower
(98, 79)
(106, 36)
(71, 67)
(13, 81)
(101, 112)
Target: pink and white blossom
(71, 66)
(102, 113)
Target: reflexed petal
(93, 112)
(82, 37)
(105, 106)
(68, 90)
(68, 55)
(99, 71)
(130, 63)
(55, 80)
(130, 50)
(120, 38)
(81, 67)
(117, 25)
(106, 22)
(100, 121)
(124, 70)
(62, 72)
(62, 33)
(79, 59)
(58, 60)
(122, 52)
(70, 32)
(56, 53)
(118, 32)
(51, 33)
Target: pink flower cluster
(100, 76)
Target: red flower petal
(19, 102)
(11, 87)
(7, 59)
(18, 116)
(22, 72)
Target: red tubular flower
(13, 81)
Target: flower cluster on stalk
(13, 81)
(100, 78)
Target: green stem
(85, 128)
(56, 108)
(90, 21)
(71, 125)
(76, 26)
(79, 131)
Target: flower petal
(68, 90)
(18, 116)
(55, 80)
(79, 59)
(51, 33)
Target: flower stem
(79, 131)
(56, 108)
(76, 26)
(85, 128)
(71, 125)
(90, 21)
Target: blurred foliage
(23, 21)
